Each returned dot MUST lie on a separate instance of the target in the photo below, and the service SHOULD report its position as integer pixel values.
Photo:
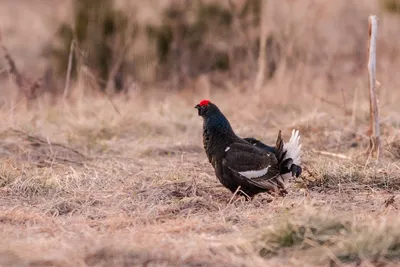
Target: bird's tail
(293, 148)
(289, 154)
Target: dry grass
(82, 185)
(323, 238)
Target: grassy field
(84, 184)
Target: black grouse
(249, 164)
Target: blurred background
(194, 47)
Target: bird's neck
(217, 134)
(219, 125)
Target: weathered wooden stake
(375, 142)
(260, 78)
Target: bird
(295, 170)
(247, 167)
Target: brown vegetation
(124, 180)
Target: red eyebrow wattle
(204, 102)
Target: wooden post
(263, 47)
(375, 142)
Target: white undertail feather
(255, 174)
(293, 148)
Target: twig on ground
(335, 155)
(234, 194)
(41, 141)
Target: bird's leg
(280, 182)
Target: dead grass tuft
(39, 182)
(345, 174)
(39, 151)
(336, 239)
(8, 173)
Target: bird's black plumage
(236, 161)
(294, 169)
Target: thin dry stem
(234, 195)
(69, 70)
(335, 155)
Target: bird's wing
(286, 166)
(260, 144)
(252, 165)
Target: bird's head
(213, 119)
(206, 108)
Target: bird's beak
(197, 106)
